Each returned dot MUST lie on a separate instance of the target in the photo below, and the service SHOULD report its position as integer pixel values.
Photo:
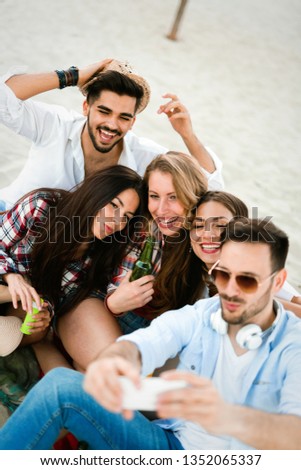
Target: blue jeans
(131, 322)
(59, 401)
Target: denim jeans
(131, 322)
(59, 401)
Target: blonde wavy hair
(189, 181)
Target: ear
(85, 108)
(279, 280)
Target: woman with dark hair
(174, 185)
(186, 256)
(176, 203)
(213, 213)
(62, 245)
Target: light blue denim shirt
(273, 380)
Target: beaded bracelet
(68, 77)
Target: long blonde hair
(171, 284)
(188, 179)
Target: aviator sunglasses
(248, 284)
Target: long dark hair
(197, 274)
(69, 225)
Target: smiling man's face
(109, 118)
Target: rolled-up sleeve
(16, 237)
(215, 179)
(32, 119)
(164, 338)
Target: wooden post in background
(173, 33)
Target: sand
(236, 65)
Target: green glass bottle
(143, 265)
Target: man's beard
(97, 147)
(251, 312)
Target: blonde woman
(174, 184)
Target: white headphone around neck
(248, 337)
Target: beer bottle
(143, 265)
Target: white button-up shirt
(56, 157)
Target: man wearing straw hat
(67, 146)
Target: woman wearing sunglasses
(213, 213)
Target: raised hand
(87, 72)
(178, 115)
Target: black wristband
(62, 78)
(74, 73)
(68, 77)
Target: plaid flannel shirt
(132, 256)
(17, 236)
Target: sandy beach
(236, 65)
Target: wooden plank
(174, 30)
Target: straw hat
(10, 334)
(126, 69)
